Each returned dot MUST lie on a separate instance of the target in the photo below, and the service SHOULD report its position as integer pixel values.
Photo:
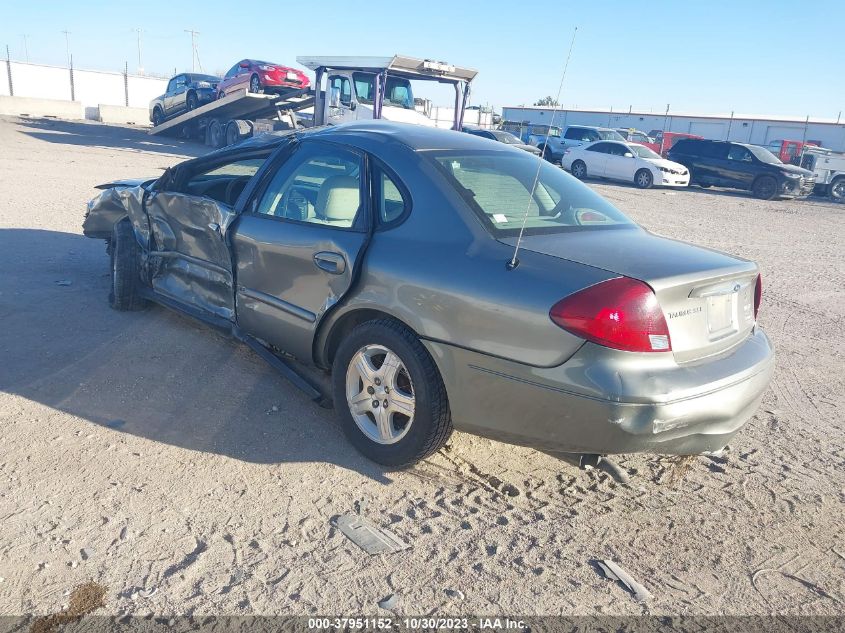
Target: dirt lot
(175, 468)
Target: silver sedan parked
(389, 256)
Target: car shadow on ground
(93, 134)
(153, 373)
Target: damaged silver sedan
(446, 280)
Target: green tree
(547, 101)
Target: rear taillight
(621, 313)
(758, 294)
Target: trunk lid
(707, 297)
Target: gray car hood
(634, 252)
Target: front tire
(837, 190)
(547, 153)
(765, 188)
(158, 116)
(255, 85)
(383, 363)
(643, 179)
(192, 101)
(579, 169)
(125, 257)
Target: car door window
(171, 86)
(319, 184)
(617, 149)
(233, 71)
(180, 82)
(222, 182)
(574, 133)
(739, 153)
(601, 148)
(342, 85)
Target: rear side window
(390, 201)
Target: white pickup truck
(829, 167)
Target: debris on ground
(389, 602)
(455, 593)
(614, 572)
(83, 600)
(368, 536)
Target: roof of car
(418, 137)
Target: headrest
(338, 199)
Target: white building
(743, 128)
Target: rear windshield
(497, 186)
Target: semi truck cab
(358, 88)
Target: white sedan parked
(630, 162)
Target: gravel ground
(172, 466)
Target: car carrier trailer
(237, 116)
(356, 88)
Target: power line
(67, 46)
(195, 56)
(140, 63)
(25, 47)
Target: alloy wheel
(643, 179)
(837, 190)
(380, 394)
(254, 85)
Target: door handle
(333, 263)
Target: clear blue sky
(751, 56)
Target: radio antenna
(514, 262)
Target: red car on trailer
(257, 76)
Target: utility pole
(140, 65)
(195, 57)
(67, 46)
(25, 48)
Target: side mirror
(628, 155)
(352, 105)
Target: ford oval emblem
(736, 288)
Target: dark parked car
(184, 92)
(386, 255)
(502, 137)
(257, 76)
(741, 166)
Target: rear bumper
(604, 401)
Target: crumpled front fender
(110, 207)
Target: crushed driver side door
(190, 213)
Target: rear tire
(232, 133)
(125, 258)
(547, 153)
(765, 188)
(579, 169)
(215, 134)
(837, 190)
(415, 382)
(643, 179)
(158, 116)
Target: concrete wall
(758, 131)
(90, 87)
(122, 114)
(16, 106)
